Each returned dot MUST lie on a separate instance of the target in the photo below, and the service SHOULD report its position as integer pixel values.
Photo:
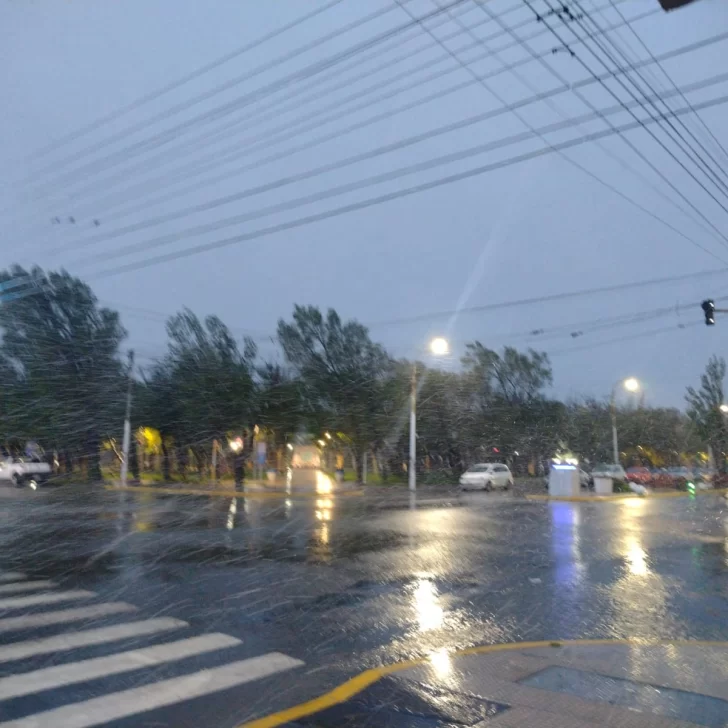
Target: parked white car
(21, 472)
(486, 476)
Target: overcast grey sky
(536, 228)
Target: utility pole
(615, 441)
(412, 469)
(127, 422)
(214, 460)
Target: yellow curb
(623, 496)
(356, 684)
(684, 494)
(583, 498)
(228, 493)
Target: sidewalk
(580, 684)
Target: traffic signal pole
(127, 422)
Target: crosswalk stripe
(51, 598)
(99, 636)
(63, 616)
(157, 695)
(49, 678)
(11, 576)
(23, 586)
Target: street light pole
(438, 347)
(412, 470)
(631, 385)
(723, 408)
(615, 441)
(127, 422)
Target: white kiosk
(564, 480)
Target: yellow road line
(356, 684)
(623, 496)
(230, 493)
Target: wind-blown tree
(203, 388)
(588, 430)
(514, 377)
(156, 405)
(505, 397)
(704, 405)
(441, 430)
(63, 348)
(279, 407)
(343, 373)
(656, 436)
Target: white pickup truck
(24, 472)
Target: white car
(486, 476)
(20, 472)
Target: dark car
(643, 476)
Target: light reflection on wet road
(344, 583)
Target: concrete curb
(363, 680)
(229, 493)
(625, 496)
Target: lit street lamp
(438, 347)
(724, 409)
(632, 385)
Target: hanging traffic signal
(673, 4)
(709, 310)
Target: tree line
(65, 377)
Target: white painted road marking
(157, 695)
(62, 616)
(23, 586)
(11, 576)
(99, 636)
(59, 676)
(52, 598)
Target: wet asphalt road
(341, 584)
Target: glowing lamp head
(439, 346)
(631, 384)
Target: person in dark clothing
(239, 468)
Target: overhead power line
(253, 119)
(619, 72)
(713, 172)
(107, 236)
(642, 123)
(615, 6)
(552, 297)
(202, 70)
(580, 328)
(551, 105)
(293, 129)
(229, 107)
(342, 189)
(152, 200)
(184, 105)
(622, 339)
(371, 202)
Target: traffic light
(709, 310)
(673, 4)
